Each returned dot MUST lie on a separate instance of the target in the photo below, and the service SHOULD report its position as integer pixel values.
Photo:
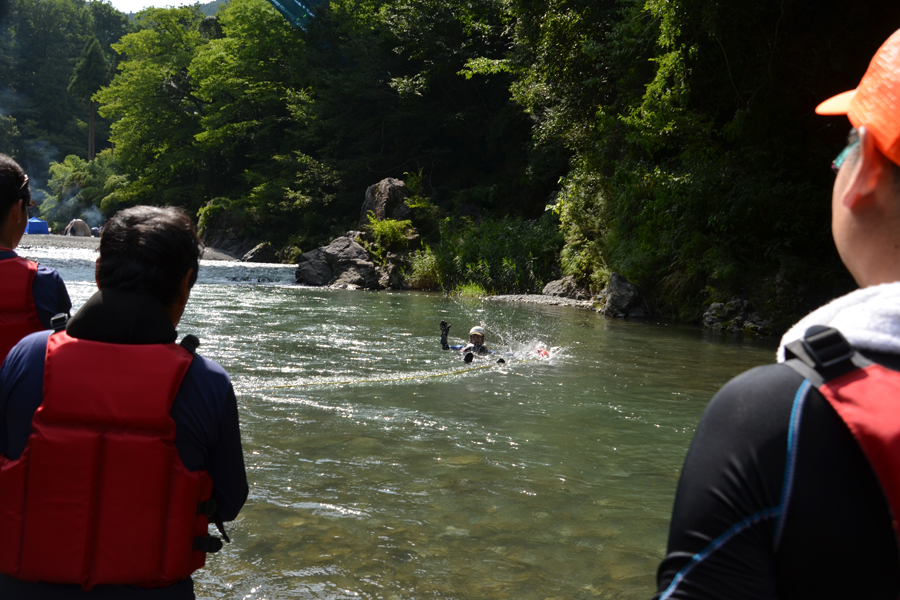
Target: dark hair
(13, 186)
(148, 249)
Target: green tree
(40, 42)
(252, 81)
(156, 110)
(82, 189)
(9, 135)
(90, 74)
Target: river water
(381, 467)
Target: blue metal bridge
(297, 12)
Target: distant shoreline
(93, 243)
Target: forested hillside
(41, 41)
(673, 140)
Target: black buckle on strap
(190, 343)
(208, 543)
(822, 355)
(58, 321)
(826, 346)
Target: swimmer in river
(475, 345)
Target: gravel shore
(539, 299)
(93, 243)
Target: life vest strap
(207, 543)
(865, 396)
(823, 354)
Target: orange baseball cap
(875, 103)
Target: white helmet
(477, 331)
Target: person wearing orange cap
(791, 486)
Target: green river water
(381, 467)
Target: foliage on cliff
(40, 44)
(674, 139)
(699, 169)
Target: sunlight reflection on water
(382, 467)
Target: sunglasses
(22, 189)
(853, 138)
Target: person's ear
(18, 209)
(867, 172)
(176, 309)
(184, 288)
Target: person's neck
(8, 233)
(7, 240)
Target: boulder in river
(391, 274)
(567, 287)
(622, 300)
(735, 316)
(351, 264)
(343, 263)
(313, 269)
(261, 253)
(386, 200)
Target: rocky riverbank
(93, 243)
(540, 299)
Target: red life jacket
(100, 495)
(18, 314)
(865, 395)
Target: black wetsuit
(777, 500)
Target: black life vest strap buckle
(823, 354)
(207, 543)
(190, 343)
(210, 510)
(826, 346)
(58, 322)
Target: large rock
(391, 274)
(78, 228)
(386, 200)
(313, 269)
(567, 287)
(262, 253)
(343, 263)
(735, 316)
(351, 264)
(622, 299)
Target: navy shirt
(204, 410)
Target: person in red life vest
(118, 446)
(30, 295)
(790, 487)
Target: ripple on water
(381, 469)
